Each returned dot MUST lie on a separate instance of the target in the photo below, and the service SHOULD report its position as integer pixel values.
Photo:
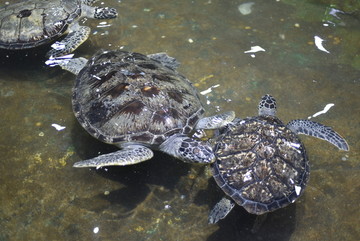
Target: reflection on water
(44, 198)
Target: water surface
(44, 198)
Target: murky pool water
(44, 198)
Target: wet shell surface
(128, 97)
(261, 164)
(36, 22)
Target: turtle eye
(24, 13)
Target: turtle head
(97, 12)
(267, 105)
(105, 13)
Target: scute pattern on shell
(127, 97)
(32, 23)
(261, 164)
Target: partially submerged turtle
(33, 23)
(139, 103)
(261, 164)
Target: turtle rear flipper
(221, 210)
(78, 34)
(318, 130)
(129, 155)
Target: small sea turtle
(29, 24)
(139, 103)
(261, 164)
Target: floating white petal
(58, 127)
(207, 91)
(254, 49)
(318, 43)
(245, 8)
(327, 107)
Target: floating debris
(207, 91)
(254, 49)
(58, 127)
(245, 8)
(318, 43)
(331, 16)
(203, 79)
(327, 107)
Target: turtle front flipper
(78, 34)
(72, 65)
(216, 121)
(188, 149)
(129, 155)
(318, 130)
(221, 210)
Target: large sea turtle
(33, 23)
(261, 164)
(139, 103)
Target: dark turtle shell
(36, 22)
(261, 164)
(128, 97)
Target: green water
(44, 198)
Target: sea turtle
(261, 164)
(29, 24)
(139, 103)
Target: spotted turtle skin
(261, 164)
(124, 97)
(33, 23)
